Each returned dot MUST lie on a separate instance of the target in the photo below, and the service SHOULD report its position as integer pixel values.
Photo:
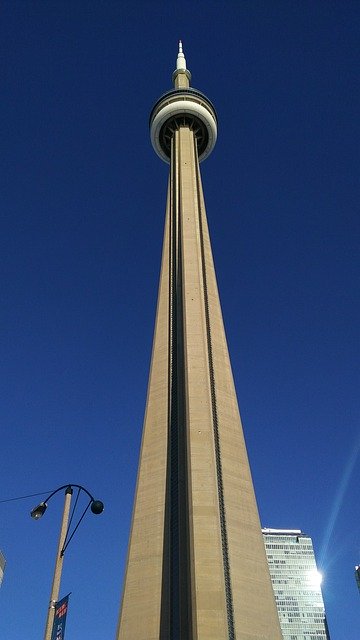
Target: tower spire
(181, 62)
(181, 75)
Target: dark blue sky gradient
(82, 201)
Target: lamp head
(97, 507)
(38, 511)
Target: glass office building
(357, 576)
(296, 583)
(2, 566)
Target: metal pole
(58, 565)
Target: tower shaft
(196, 567)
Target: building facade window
(296, 584)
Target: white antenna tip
(181, 62)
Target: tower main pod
(196, 567)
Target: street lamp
(96, 507)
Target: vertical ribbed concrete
(196, 568)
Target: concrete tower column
(196, 567)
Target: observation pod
(186, 107)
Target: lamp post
(97, 507)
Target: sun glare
(316, 578)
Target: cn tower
(196, 566)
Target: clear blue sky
(82, 203)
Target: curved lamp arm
(97, 507)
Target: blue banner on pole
(61, 607)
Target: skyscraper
(296, 582)
(196, 567)
(357, 576)
(2, 566)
